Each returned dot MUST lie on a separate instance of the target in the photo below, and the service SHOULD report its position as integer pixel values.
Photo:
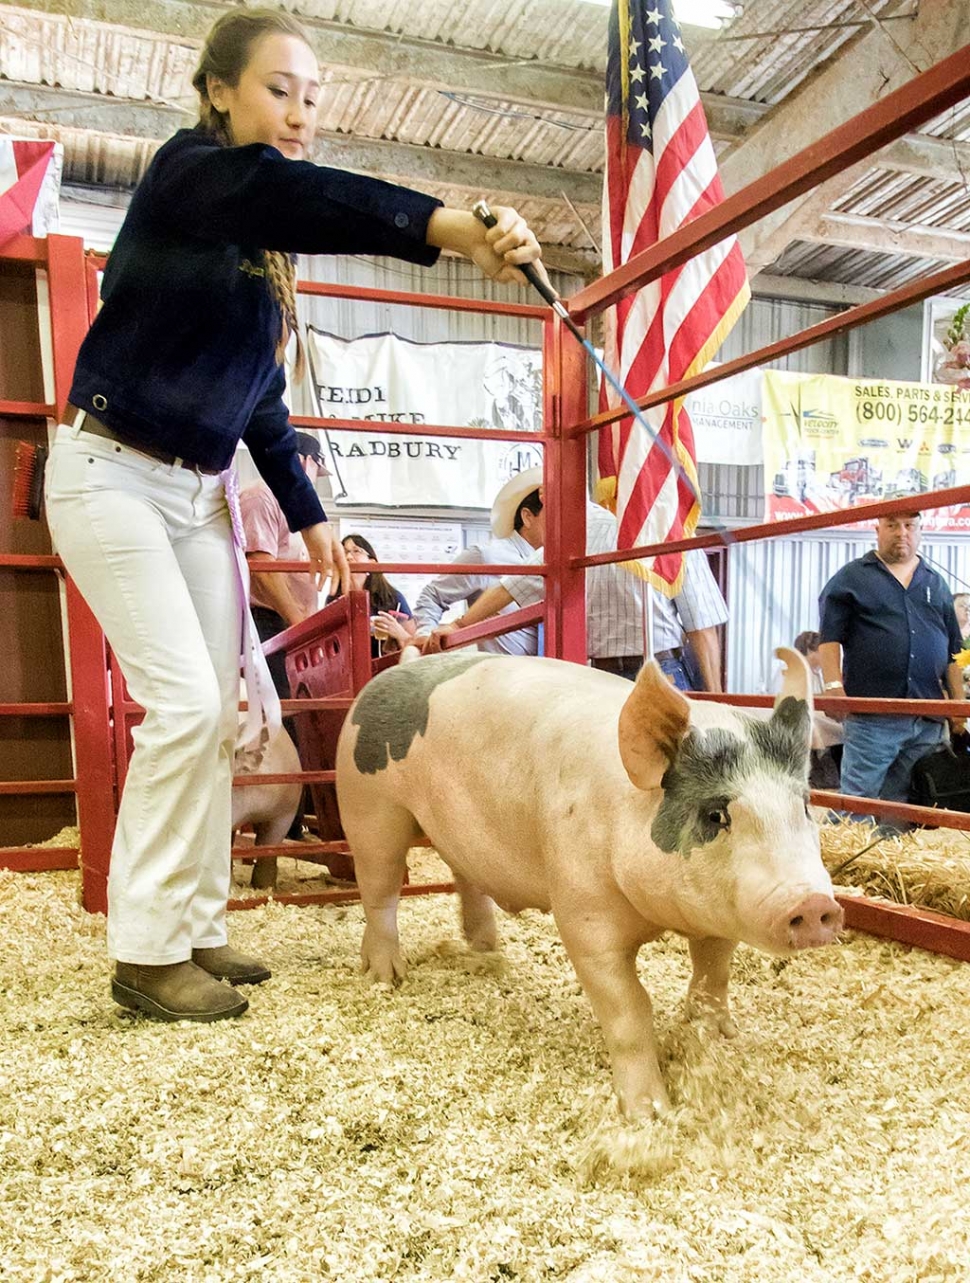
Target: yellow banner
(832, 443)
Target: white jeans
(150, 548)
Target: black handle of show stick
(484, 215)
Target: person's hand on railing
(433, 644)
(419, 643)
(834, 688)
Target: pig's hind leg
(477, 916)
(271, 832)
(707, 994)
(265, 871)
(379, 835)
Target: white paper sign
(383, 377)
(727, 420)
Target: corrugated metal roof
(798, 36)
(565, 33)
(930, 202)
(820, 262)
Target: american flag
(23, 167)
(660, 173)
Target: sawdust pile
(462, 1128)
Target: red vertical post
(551, 418)
(67, 284)
(359, 629)
(566, 404)
(91, 268)
(92, 749)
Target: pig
(269, 808)
(626, 810)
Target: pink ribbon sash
(263, 717)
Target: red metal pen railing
(566, 424)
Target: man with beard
(889, 630)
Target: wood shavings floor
(462, 1128)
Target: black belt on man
(619, 664)
(99, 429)
(623, 663)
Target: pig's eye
(718, 818)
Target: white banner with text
(381, 377)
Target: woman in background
(391, 620)
(961, 604)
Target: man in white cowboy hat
(615, 608)
(519, 526)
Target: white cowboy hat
(509, 497)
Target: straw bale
(926, 867)
(462, 1128)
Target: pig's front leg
(707, 998)
(606, 966)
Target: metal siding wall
(774, 587)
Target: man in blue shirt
(889, 630)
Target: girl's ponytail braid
(281, 276)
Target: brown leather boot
(177, 991)
(229, 964)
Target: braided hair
(225, 55)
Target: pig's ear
(796, 680)
(653, 721)
(796, 683)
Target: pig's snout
(813, 921)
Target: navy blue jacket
(896, 642)
(182, 354)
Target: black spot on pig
(783, 740)
(393, 708)
(697, 787)
(711, 766)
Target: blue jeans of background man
(676, 672)
(880, 753)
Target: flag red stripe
(673, 323)
(18, 201)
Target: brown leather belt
(99, 429)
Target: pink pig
(625, 810)
(269, 808)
